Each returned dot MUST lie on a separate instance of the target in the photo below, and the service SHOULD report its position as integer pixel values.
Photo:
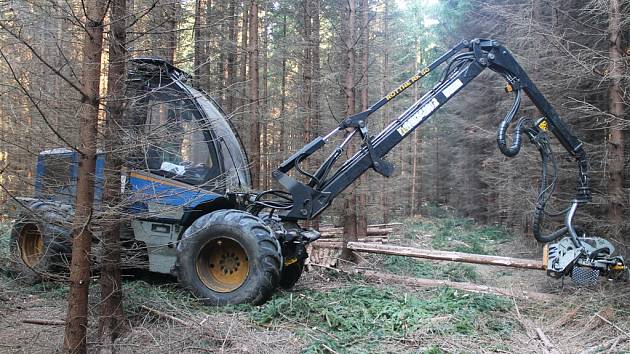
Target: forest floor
(332, 311)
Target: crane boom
(577, 254)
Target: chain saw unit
(568, 252)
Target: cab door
(177, 164)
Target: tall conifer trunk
(254, 139)
(616, 138)
(349, 202)
(112, 321)
(362, 194)
(76, 317)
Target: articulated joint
(355, 120)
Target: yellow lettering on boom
(407, 83)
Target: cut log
(44, 322)
(391, 224)
(328, 244)
(379, 239)
(370, 232)
(446, 255)
(336, 242)
(373, 226)
(322, 255)
(371, 275)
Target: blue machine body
(56, 176)
(56, 180)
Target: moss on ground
(354, 318)
(5, 235)
(425, 269)
(457, 234)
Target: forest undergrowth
(335, 311)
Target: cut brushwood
(446, 255)
(374, 276)
(166, 316)
(546, 342)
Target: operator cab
(182, 149)
(178, 148)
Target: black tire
(41, 242)
(291, 274)
(224, 241)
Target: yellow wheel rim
(222, 265)
(31, 245)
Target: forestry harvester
(193, 214)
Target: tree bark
(282, 146)
(198, 40)
(316, 116)
(306, 68)
(230, 73)
(447, 255)
(241, 104)
(350, 204)
(169, 41)
(307, 75)
(253, 77)
(362, 194)
(76, 320)
(616, 139)
(415, 141)
(244, 53)
(266, 160)
(385, 195)
(112, 321)
(208, 81)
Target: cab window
(177, 145)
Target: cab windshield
(178, 145)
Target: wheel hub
(222, 265)
(31, 244)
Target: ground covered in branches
(338, 311)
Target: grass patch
(50, 290)
(457, 234)
(433, 350)
(5, 236)
(160, 296)
(424, 269)
(352, 319)
(5, 253)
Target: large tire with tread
(41, 242)
(229, 257)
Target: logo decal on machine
(450, 90)
(418, 117)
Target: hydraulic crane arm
(583, 257)
(464, 63)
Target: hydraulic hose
(503, 127)
(544, 191)
(537, 227)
